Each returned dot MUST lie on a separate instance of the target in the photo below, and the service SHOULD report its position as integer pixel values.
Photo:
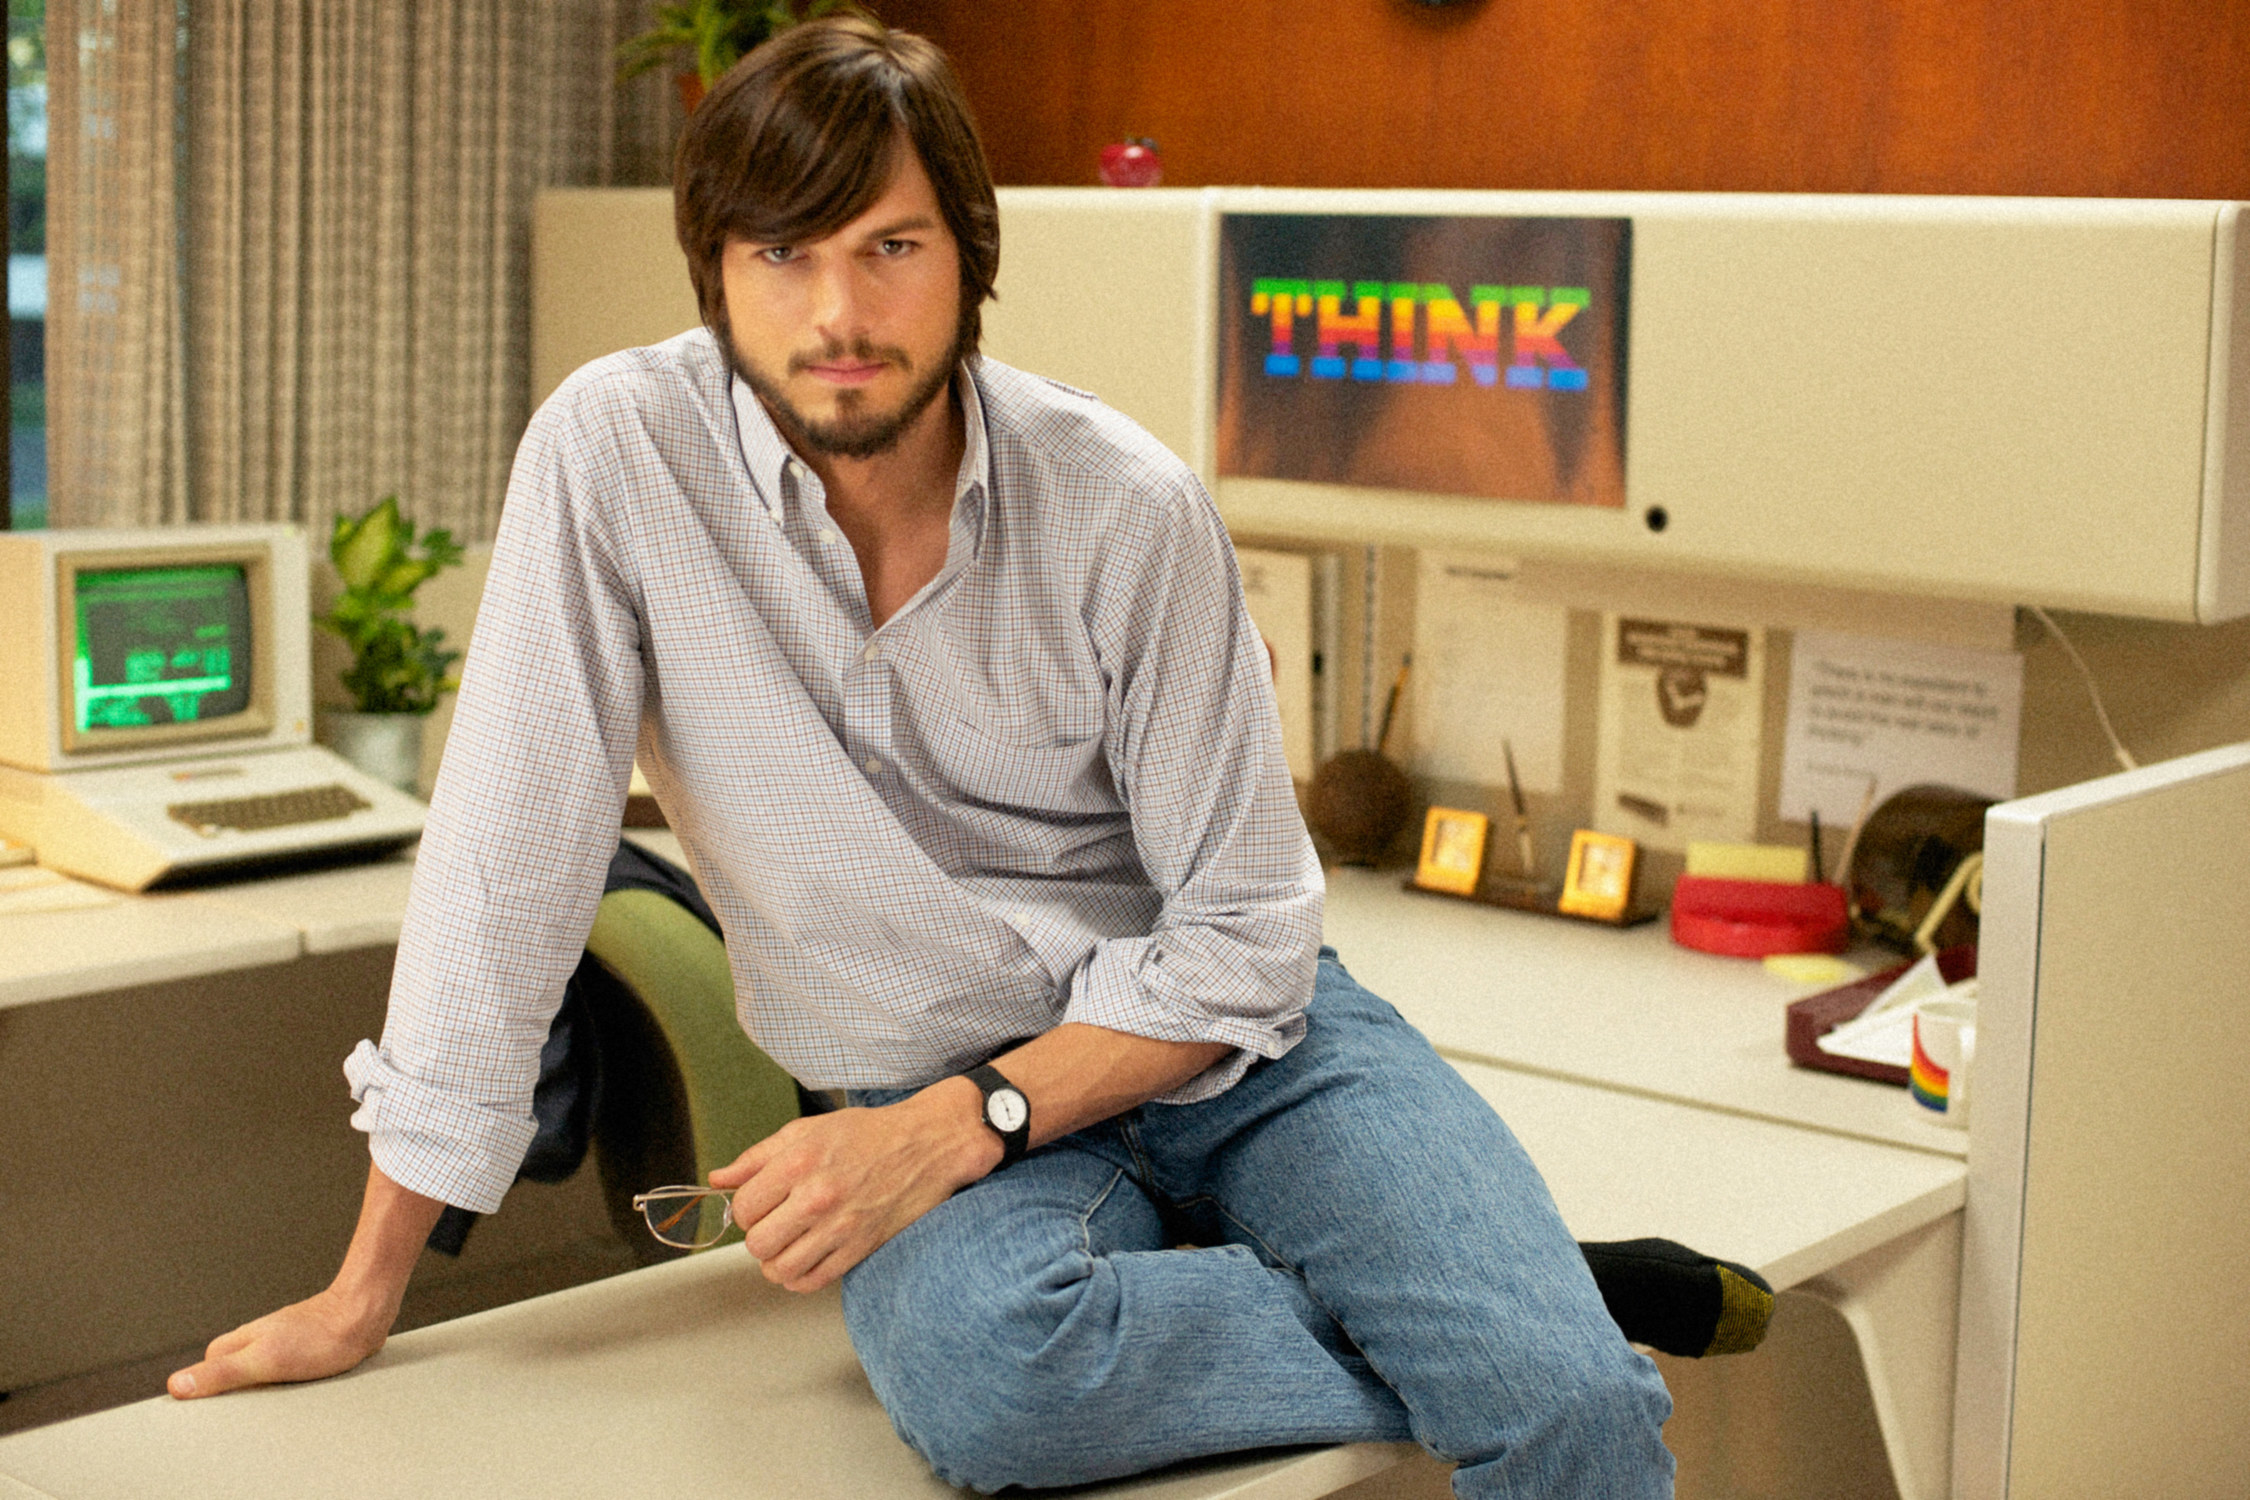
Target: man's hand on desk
(330, 1332)
(309, 1340)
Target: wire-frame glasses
(686, 1216)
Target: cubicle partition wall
(2106, 1270)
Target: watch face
(1006, 1110)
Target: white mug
(1945, 1054)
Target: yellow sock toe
(1745, 1309)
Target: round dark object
(1358, 803)
(1657, 517)
(1906, 853)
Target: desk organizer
(1538, 899)
(1752, 918)
(1815, 1016)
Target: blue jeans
(1381, 1262)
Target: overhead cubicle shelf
(2011, 400)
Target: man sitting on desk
(949, 688)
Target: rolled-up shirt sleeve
(1194, 746)
(521, 827)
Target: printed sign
(1682, 720)
(1449, 354)
(1869, 717)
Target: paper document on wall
(1682, 708)
(1278, 588)
(1864, 710)
(1488, 666)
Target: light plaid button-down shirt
(1049, 789)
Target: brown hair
(797, 140)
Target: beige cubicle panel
(2105, 1271)
(606, 274)
(1089, 292)
(1113, 292)
(2020, 400)
(2000, 399)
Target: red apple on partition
(1132, 162)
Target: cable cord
(2116, 746)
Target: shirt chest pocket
(1012, 723)
(1017, 688)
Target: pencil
(1523, 819)
(1390, 708)
(1851, 842)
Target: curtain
(299, 234)
(116, 383)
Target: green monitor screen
(161, 646)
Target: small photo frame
(1599, 883)
(1452, 850)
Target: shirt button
(874, 766)
(871, 651)
(827, 537)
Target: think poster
(1452, 355)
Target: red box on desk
(1752, 918)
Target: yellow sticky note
(1813, 968)
(1783, 864)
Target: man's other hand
(823, 1193)
(308, 1340)
(329, 1333)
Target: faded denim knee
(998, 1391)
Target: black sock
(1671, 1298)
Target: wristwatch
(1006, 1111)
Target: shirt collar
(769, 455)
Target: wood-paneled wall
(2128, 98)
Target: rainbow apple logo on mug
(1925, 1078)
(1945, 1049)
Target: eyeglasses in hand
(689, 1217)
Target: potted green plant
(718, 32)
(398, 670)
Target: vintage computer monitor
(156, 707)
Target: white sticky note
(1897, 713)
(1488, 666)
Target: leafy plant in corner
(396, 667)
(719, 32)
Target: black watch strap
(1006, 1112)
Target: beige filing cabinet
(2013, 400)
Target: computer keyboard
(312, 804)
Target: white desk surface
(149, 939)
(350, 906)
(1626, 1008)
(1789, 1203)
(737, 1389)
(694, 1378)
(132, 941)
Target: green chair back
(675, 1059)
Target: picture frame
(1599, 881)
(1453, 844)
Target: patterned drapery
(289, 245)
